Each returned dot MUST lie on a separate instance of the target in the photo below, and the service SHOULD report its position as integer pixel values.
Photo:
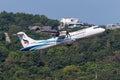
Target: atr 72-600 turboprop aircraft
(62, 38)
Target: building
(70, 22)
(39, 29)
(113, 26)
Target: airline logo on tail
(26, 42)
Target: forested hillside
(94, 58)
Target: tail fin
(25, 40)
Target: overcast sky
(91, 11)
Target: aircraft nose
(102, 30)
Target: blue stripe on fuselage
(45, 44)
(35, 47)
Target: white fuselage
(30, 44)
(86, 32)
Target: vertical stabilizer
(25, 40)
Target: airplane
(63, 38)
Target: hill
(94, 58)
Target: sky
(99, 12)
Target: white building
(113, 26)
(71, 22)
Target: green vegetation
(94, 58)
